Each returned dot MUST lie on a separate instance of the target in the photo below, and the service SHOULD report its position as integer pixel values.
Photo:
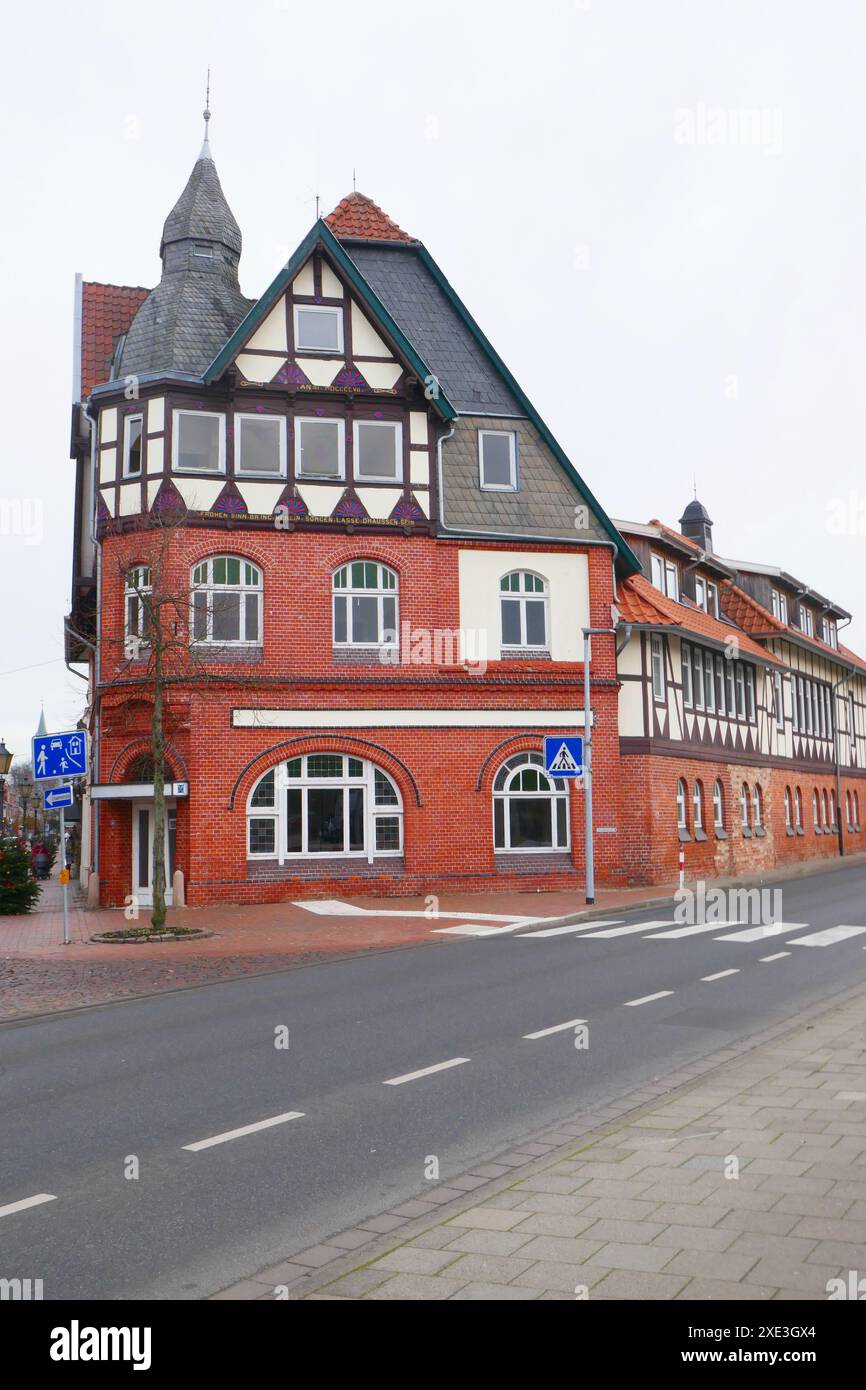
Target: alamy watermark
(758, 907)
(734, 126)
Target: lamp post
(5, 764)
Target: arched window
(324, 804)
(816, 809)
(682, 812)
(138, 586)
(856, 810)
(227, 602)
(530, 809)
(789, 819)
(848, 811)
(365, 605)
(758, 803)
(824, 812)
(745, 808)
(718, 806)
(523, 606)
(798, 806)
(832, 810)
(698, 806)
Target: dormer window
(779, 605)
(318, 328)
(497, 460)
(807, 622)
(132, 440)
(665, 576)
(713, 600)
(829, 632)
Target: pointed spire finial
(354, 182)
(205, 149)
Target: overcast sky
(656, 211)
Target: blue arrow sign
(57, 796)
(59, 755)
(563, 757)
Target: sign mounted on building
(59, 755)
(563, 757)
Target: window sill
(700, 836)
(789, 830)
(721, 834)
(685, 837)
(760, 832)
(746, 832)
(800, 830)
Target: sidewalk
(635, 1201)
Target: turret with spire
(198, 303)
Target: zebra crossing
(668, 930)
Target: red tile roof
(640, 602)
(106, 312)
(358, 216)
(747, 613)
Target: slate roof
(359, 216)
(198, 303)
(106, 313)
(201, 212)
(414, 299)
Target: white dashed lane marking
(425, 1071)
(244, 1129)
(721, 975)
(26, 1202)
(557, 1028)
(780, 955)
(648, 998)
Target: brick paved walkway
(640, 1207)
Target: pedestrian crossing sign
(563, 757)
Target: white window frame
(721, 686)
(520, 597)
(175, 442)
(340, 426)
(210, 587)
(657, 666)
(698, 806)
(807, 622)
(712, 599)
(331, 309)
(280, 421)
(779, 690)
(718, 806)
(758, 806)
(701, 592)
(672, 580)
(686, 663)
(657, 572)
(709, 683)
(135, 640)
(556, 792)
(130, 420)
(512, 485)
(380, 593)
(373, 811)
(745, 807)
(682, 806)
(396, 427)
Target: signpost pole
(64, 877)
(587, 772)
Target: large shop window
(523, 605)
(365, 605)
(227, 602)
(530, 809)
(324, 804)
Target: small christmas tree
(19, 890)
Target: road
(87, 1096)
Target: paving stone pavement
(745, 1178)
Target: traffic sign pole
(64, 878)
(588, 634)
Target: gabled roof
(106, 313)
(642, 605)
(359, 217)
(320, 232)
(657, 529)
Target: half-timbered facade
(741, 713)
(383, 562)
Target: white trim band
(406, 718)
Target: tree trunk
(158, 745)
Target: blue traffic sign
(59, 755)
(57, 797)
(563, 757)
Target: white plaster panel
(419, 468)
(271, 334)
(259, 368)
(379, 501)
(381, 375)
(260, 497)
(130, 499)
(568, 589)
(156, 414)
(332, 288)
(108, 425)
(303, 282)
(199, 494)
(321, 498)
(418, 427)
(107, 465)
(321, 370)
(155, 455)
(365, 340)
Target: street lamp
(5, 764)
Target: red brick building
(379, 564)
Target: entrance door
(142, 851)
